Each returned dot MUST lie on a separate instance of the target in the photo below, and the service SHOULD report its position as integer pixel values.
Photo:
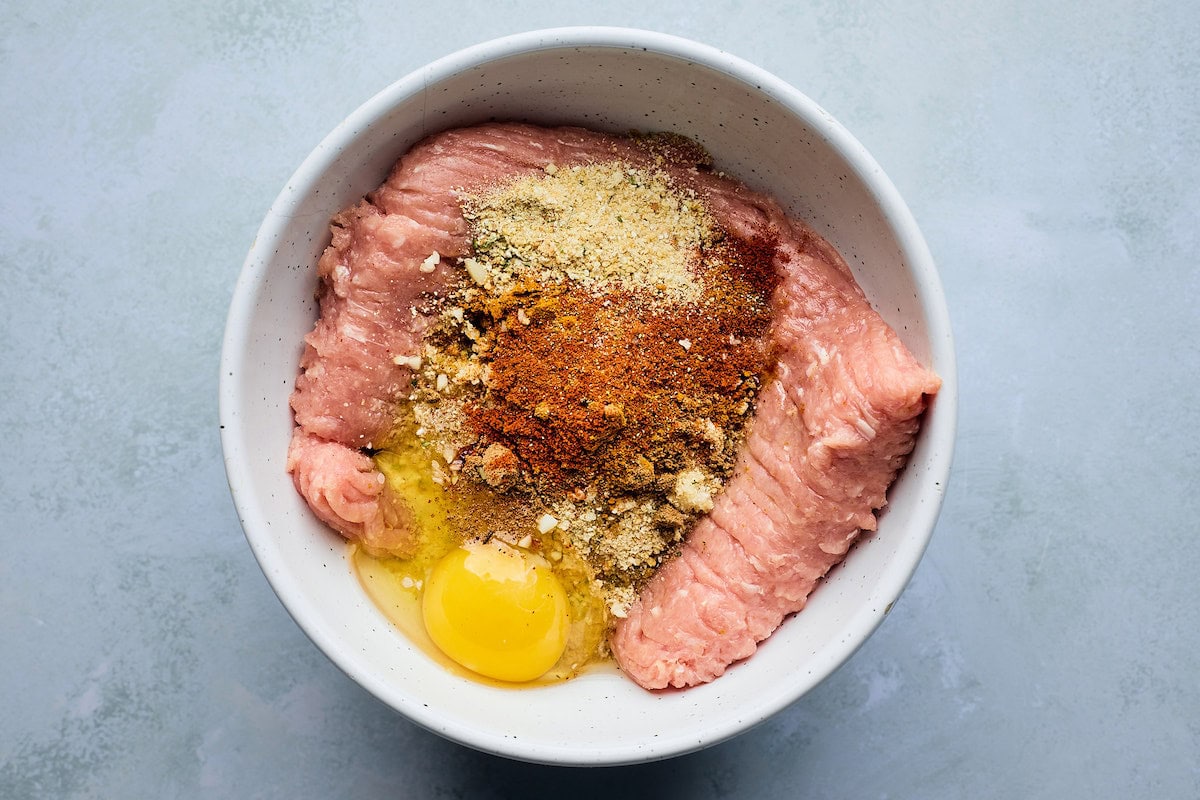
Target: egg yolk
(496, 610)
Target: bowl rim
(931, 300)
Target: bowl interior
(758, 129)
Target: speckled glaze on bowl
(758, 128)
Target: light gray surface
(1049, 645)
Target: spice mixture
(586, 387)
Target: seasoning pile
(587, 384)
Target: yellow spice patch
(601, 225)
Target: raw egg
(497, 610)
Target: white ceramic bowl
(758, 128)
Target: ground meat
(832, 428)
(830, 434)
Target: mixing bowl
(758, 128)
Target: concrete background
(1049, 645)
